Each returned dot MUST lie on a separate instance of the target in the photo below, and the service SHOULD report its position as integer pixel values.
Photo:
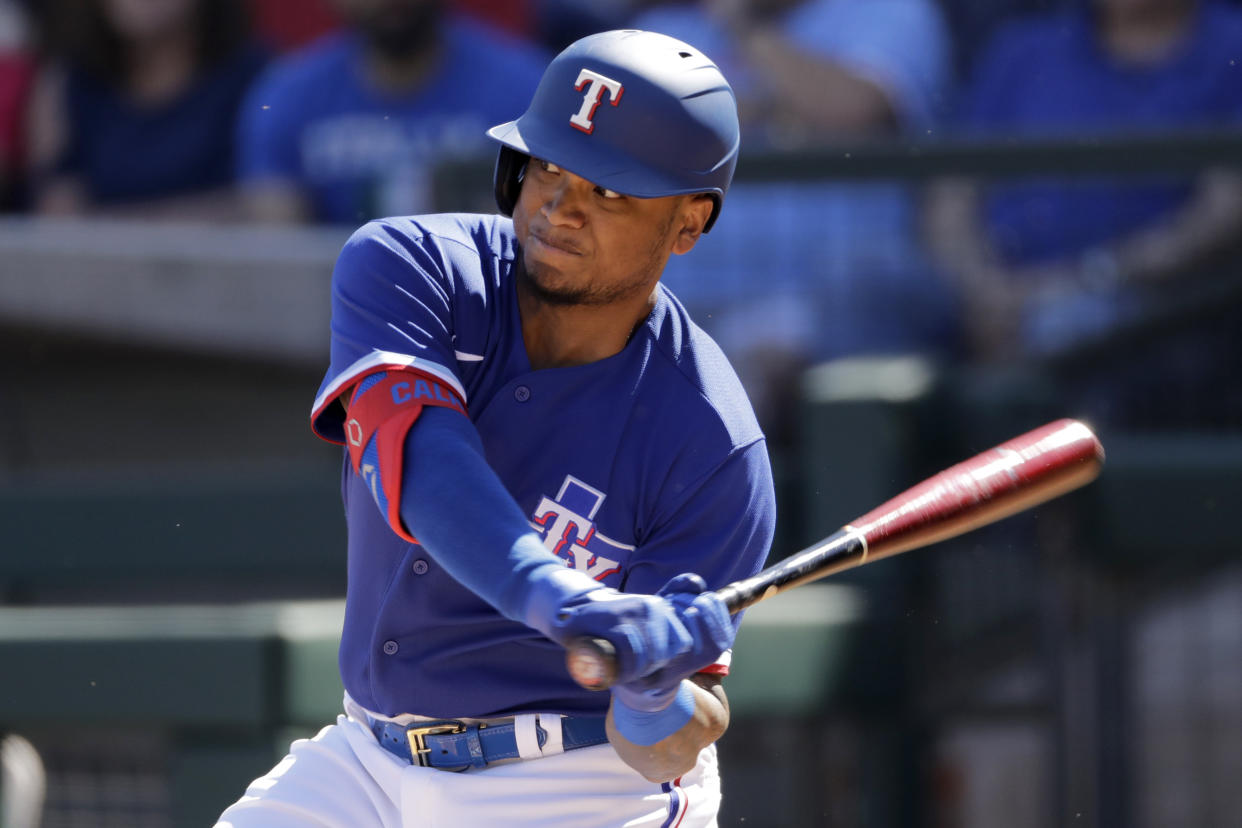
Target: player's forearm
(676, 755)
(461, 513)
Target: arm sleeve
(466, 519)
(722, 529)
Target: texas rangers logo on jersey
(595, 85)
(568, 529)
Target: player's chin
(554, 292)
(553, 286)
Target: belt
(449, 744)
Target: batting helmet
(636, 112)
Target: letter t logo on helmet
(595, 84)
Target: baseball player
(540, 445)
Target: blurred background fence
(172, 550)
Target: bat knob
(592, 663)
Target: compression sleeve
(465, 518)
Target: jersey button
(420, 567)
(521, 393)
(391, 647)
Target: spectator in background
(134, 111)
(351, 128)
(805, 271)
(1043, 265)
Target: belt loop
(551, 723)
(475, 747)
(526, 733)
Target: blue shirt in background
(358, 152)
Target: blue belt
(452, 745)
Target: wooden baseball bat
(1016, 475)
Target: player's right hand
(659, 639)
(645, 630)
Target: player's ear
(693, 215)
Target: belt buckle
(417, 737)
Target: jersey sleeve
(721, 529)
(391, 310)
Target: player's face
(583, 244)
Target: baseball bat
(1018, 474)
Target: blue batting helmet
(636, 112)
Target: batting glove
(649, 632)
(707, 620)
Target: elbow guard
(382, 409)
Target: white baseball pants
(342, 778)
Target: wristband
(646, 727)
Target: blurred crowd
(338, 111)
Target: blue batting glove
(710, 626)
(645, 630)
(659, 639)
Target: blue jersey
(632, 469)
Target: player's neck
(558, 336)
